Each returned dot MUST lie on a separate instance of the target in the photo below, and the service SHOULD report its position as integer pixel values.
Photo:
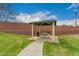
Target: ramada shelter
(52, 24)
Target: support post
(32, 31)
(53, 29)
(39, 29)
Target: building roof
(43, 22)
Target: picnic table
(44, 36)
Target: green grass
(12, 44)
(68, 46)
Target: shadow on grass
(63, 48)
(65, 44)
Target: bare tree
(6, 12)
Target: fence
(22, 28)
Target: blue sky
(58, 9)
(62, 12)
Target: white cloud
(73, 5)
(68, 22)
(52, 17)
(22, 18)
(26, 18)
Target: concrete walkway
(34, 49)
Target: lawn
(12, 44)
(68, 46)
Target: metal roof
(43, 22)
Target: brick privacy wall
(60, 30)
(22, 28)
(15, 28)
